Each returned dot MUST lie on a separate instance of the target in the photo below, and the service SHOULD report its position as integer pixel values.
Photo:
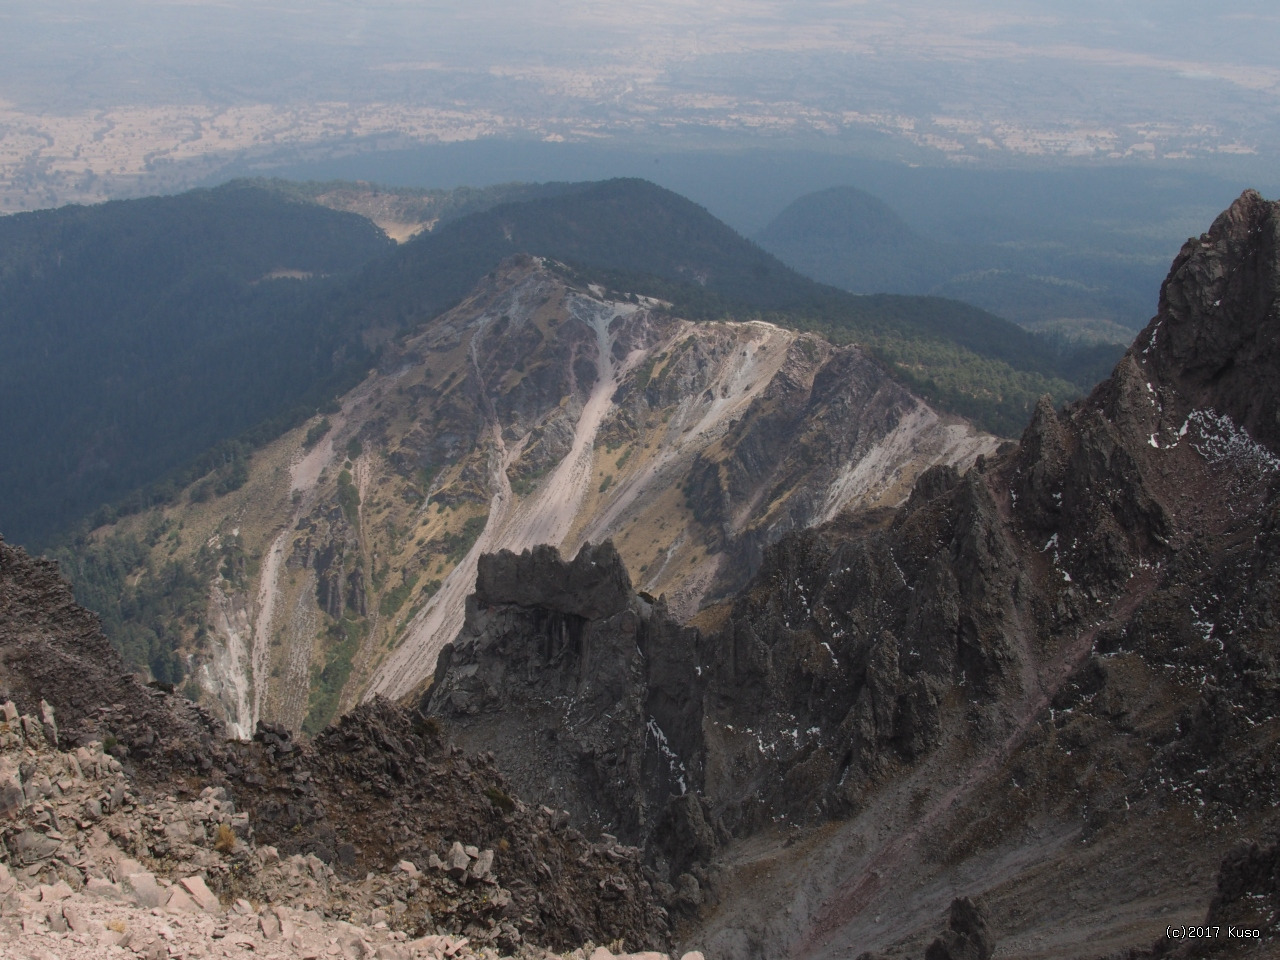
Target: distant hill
(644, 239)
(850, 239)
(146, 343)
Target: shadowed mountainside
(1048, 682)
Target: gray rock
(201, 894)
(269, 924)
(50, 726)
(966, 936)
(593, 586)
(457, 861)
(78, 922)
(31, 847)
(56, 891)
(180, 902)
(144, 890)
(103, 888)
(483, 865)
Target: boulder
(201, 894)
(457, 861)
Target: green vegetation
(230, 473)
(456, 545)
(327, 682)
(500, 799)
(146, 607)
(349, 498)
(316, 433)
(138, 335)
(606, 482)
(645, 370)
(394, 598)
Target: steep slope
(537, 411)
(1047, 682)
(380, 788)
(144, 342)
(632, 235)
(136, 335)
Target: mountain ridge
(309, 296)
(1040, 678)
(538, 410)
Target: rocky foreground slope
(1048, 682)
(116, 798)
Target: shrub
(225, 842)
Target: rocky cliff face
(537, 411)
(586, 694)
(1047, 682)
(53, 650)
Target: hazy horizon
(101, 99)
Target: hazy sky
(115, 50)
(97, 93)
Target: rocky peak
(594, 585)
(1216, 337)
(1074, 638)
(587, 694)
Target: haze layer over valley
(97, 102)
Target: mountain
(1045, 683)
(1033, 709)
(539, 410)
(850, 239)
(147, 342)
(853, 240)
(139, 335)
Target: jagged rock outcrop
(1045, 673)
(582, 691)
(321, 826)
(52, 649)
(966, 936)
(593, 586)
(1075, 638)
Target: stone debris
(89, 870)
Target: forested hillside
(636, 237)
(851, 239)
(140, 335)
(149, 343)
